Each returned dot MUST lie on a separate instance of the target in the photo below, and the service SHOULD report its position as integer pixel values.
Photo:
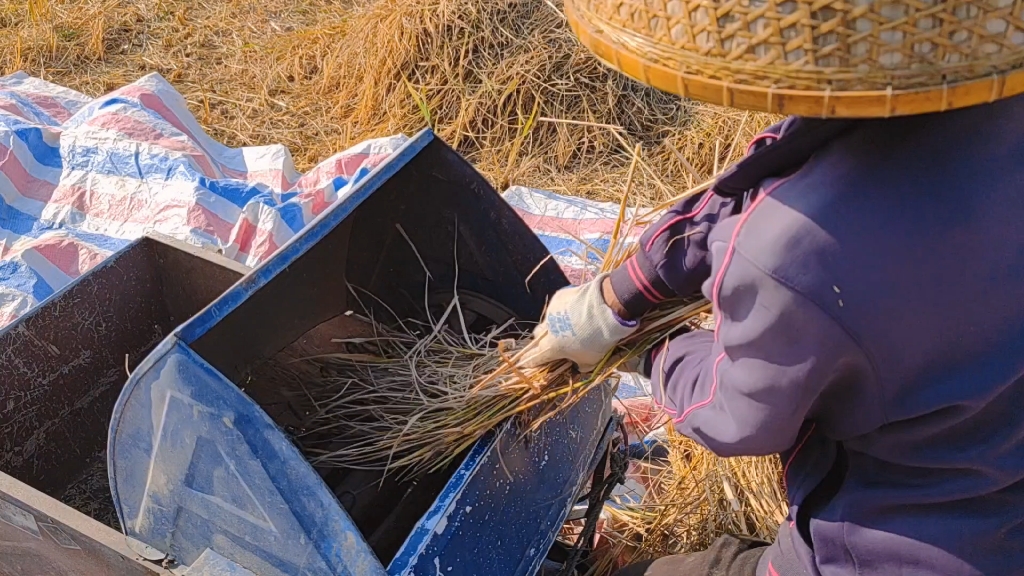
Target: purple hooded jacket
(867, 279)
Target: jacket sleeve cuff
(638, 286)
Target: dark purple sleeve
(747, 387)
(672, 259)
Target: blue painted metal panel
(503, 508)
(196, 464)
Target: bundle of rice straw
(415, 395)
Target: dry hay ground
(502, 80)
(692, 498)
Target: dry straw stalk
(414, 396)
(691, 499)
(504, 80)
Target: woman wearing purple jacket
(867, 279)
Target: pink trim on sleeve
(716, 293)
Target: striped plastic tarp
(82, 177)
(576, 231)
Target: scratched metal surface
(503, 508)
(34, 545)
(64, 364)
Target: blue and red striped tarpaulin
(81, 177)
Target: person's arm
(582, 323)
(774, 360)
(672, 258)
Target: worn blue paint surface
(195, 464)
(504, 506)
(213, 564)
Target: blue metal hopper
(201, 466)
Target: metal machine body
(196, 466)
(199, 460)
(62, 367)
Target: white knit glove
(578, 326)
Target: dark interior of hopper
(433, 227)
(384, 508)
(66, 362)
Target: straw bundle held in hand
(415, 396)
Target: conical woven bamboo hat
(824, 58)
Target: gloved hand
(580, 326)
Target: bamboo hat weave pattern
(822, 58)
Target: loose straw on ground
(504, 81)
(691, 498)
